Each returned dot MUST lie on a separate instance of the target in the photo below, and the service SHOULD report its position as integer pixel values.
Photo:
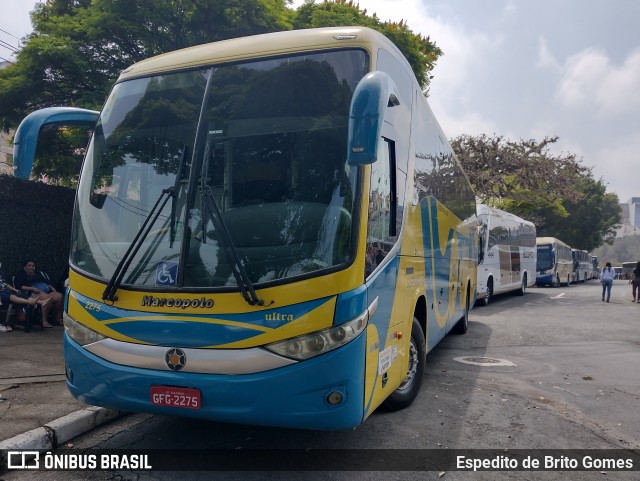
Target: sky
(523, 69)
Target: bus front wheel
(410, 386)
(488, 297)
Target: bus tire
(405, 394)
(463, 324)
(523, 286)
(488, 296)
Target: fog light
(334, 398)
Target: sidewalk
(36, 409)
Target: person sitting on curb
(28, 280)
(9, 294)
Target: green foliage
(420, 51)
(524, 172)
(589, 222)
(36, 221)
(555, 192)
(59, 155)
(79, 47)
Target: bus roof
(484, 209)
(265, 45)
(550, 240)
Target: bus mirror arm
(28, 131)
(373, 95)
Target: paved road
(555, 369)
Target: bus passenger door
(383, 273)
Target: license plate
(175, 397)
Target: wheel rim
(413, 367)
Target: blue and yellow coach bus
(270, 230)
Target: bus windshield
(545, 259)
(266, 139)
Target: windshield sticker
(166, 273)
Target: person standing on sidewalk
(635, 282)
(606, 278)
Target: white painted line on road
(562, 389)
(558, 296)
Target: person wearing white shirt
(606, 278)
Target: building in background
(630, 218)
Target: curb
(61, 430)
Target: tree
(79, 47)
(60, 153)
(524, 172)
(555, 192)
(624, 249)
(421, 52)
(590, 221)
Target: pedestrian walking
(606, 278)
(635, 282)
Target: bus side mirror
(26, 138)
(374, 93)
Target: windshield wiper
(237, 268)
(109, 293)
(209, 204)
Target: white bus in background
(555, 263)
(507, 253)
(582, 266)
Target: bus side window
(382, 223)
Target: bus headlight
(79, 333)
(316, 343)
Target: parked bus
(595, 273)
(554, 262)
(507, 253)
(617, 272)
(582, 266)
(269, 230)
(627, 269)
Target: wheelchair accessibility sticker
(166, 273)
